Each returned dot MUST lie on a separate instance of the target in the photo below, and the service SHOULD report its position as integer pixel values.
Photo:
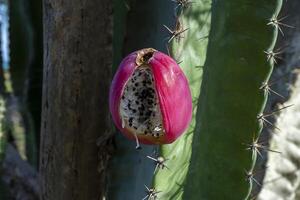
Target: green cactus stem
(191, 50)
(231, 99)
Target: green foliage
(231, 99)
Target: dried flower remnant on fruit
(151, 194)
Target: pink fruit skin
(172, 89)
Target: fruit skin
(172, 90)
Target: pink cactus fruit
(150, 99)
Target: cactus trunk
(231, 99)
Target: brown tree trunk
(76, 127)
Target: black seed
(149, 113)
(136, 84)
(130, 119)
(137, 102)
(145, 132)
(134, 127)
(134, 110)
(130, 124)
(123, 97)
(133, 89)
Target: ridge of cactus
(282, 178)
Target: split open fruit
(150, 98)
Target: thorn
(182, 3)
(256, 147)
(160, 163)
(277, 23)
(151, 194)
(179, 62)
(273, 55)
(199, 66)
(203, 38)
(264, 121)
(268, 90)
(277, 110)
(177, 32)
(168, 50)
(250, 177)
(262, 117)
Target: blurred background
(21, 89)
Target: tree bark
(76, 128)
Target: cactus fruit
(146, 98)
